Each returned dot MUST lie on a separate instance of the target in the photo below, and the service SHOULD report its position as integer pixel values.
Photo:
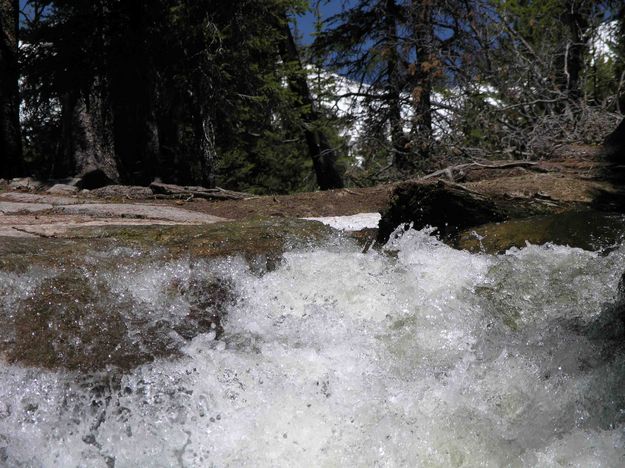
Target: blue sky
(306, 23)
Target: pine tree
(393, 47)
(11, 163)
(132, 79)
(324, 157)
(189, 91)
(619, 69)
(259, 132)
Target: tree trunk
(575, 18)
(11, 162)
(88, 148)
(133, 94)
(401, 156)
(426, 65)
(206, 152)
(619, 67)
(175, 163)
(322, 154)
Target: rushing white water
(355, 222)
(424, 357)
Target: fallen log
(583, 177)
(458, 172)
(178, 191)
(451, 207)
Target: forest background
(207, 92)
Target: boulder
(122, 191)
(27, 184)
(62, 189)
(94, 178)
(451, 207)
(586, 229)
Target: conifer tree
(393, 47)
(11, 164)
(323, 156)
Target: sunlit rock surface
(417, 355)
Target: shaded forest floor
(329, 203)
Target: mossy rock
(71, 321)
(60, 309)
(451, 208)
(586, 229)
(249, 238)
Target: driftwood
(189, 192)
(452, 207)
(455, 173)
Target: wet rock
(452, 207)
(610, 324)
(72, 313)
(265, 237)
(74, 321)
(586, 229)
(65, 325)
(206, 300)
(441, 205)
(608, 328)
(122, 191)
(62, 189)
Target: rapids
(416, 355)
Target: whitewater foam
(418, 355)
